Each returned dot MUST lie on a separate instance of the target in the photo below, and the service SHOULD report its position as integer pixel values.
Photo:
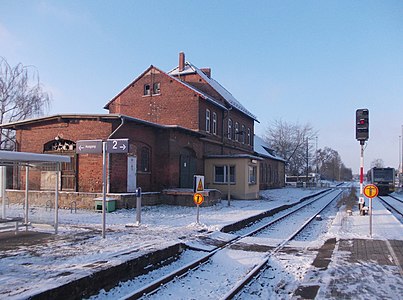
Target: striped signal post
(362, 135)
(361, 201)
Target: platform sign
(371, 191)
(198, 198)
(89, 146)
(117, 146)
(99, 146)
(198, 183)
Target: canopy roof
(8, 157)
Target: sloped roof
(191, 69)
(262, 148)
(102, 117)
(201, 93)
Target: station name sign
(96, 146)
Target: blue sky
(299, 61)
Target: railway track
(159, 289)
(394, 205)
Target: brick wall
(174, 105)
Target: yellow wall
(241, 189)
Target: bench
(11, 220)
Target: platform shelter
(30, 160)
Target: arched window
(145, 160)
(237, 131)
(207, 120)
(60, 145)
(229, 129)
(214, 123)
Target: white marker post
(138, 206)
(103, 188)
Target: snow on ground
(79, 243)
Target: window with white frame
(221, 174)
(252, 174)
(249, 137)
(214, 123)
(237, 131)
(207, 120)
(229, 129)
(243, 134)
(156, 88)
(147, 90)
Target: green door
(187, 170)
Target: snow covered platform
(45, 261)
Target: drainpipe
(108, 179)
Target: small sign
(198, 198)
(371, 190)
(117, 146)
(198, 183)
(89, 146)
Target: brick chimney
(181, 61)
(206, 71)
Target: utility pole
(307, 163)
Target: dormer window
(147, 90)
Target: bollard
(138, 206)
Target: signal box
(362, 125)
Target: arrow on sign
(89, 146)
(117, 145)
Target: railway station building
(178, 124)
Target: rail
(390, 207)
(153, 287)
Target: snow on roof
(262, 148)
(191, 69)
(233, 156)
(204, 95)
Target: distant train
(384, 179)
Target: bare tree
(377, 163)
(331, 166)
(293, 142)
(21, 97)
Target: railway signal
(362, 135)
(362, 125)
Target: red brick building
(178, 124)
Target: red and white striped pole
(361, 200)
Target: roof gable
(183, 83)
(147, 71)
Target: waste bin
(110, 204)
